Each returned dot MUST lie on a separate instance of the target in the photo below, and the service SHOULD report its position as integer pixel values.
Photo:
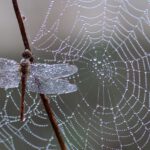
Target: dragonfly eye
(31, 59)
(26, 54)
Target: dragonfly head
(27, 54)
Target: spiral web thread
(108, 40)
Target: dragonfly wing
(50, 86)
(9, 74)
(53, 71)
(8, 65)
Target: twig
(53, 121)
(43, 97)
(21, 25)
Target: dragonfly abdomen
(24, 70)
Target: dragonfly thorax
(24, 66)
(24, 62)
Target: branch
(21, 25)
(53, 121)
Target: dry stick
(43, 97)
(21, 25)
(53, 121)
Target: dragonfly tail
(23, 87)
(22, 110)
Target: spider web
(108, 40)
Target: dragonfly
(36, 77)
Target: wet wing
(50, 86)
(9, 74)
(53, 71)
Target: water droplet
(95, 59)
(24, 119)
(102, 73)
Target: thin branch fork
(42, 96)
